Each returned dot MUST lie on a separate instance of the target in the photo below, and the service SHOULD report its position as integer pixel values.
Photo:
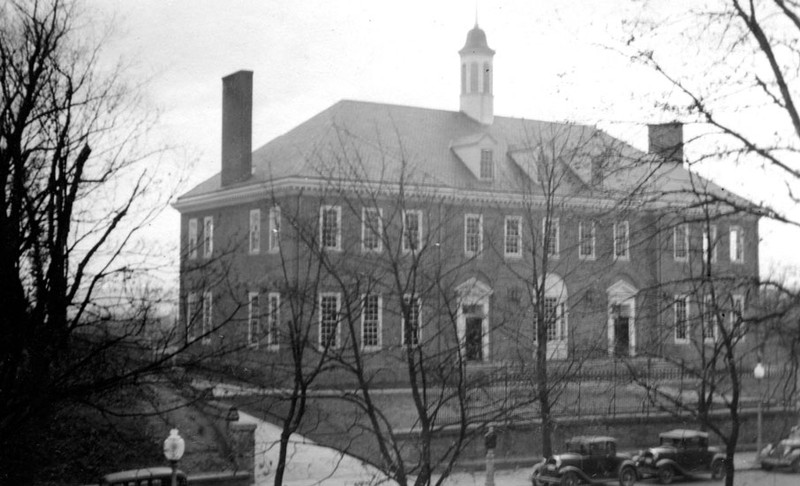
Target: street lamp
(173, 451)
(758, 373)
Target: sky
(554, 61)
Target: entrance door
(622, 343)
(474, 339)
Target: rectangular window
(550, 237)
(412, 230)
(371, 322)
(273, 320)
(255, 231)
(330, 227)
(621, 240)
(371, 230)
(487, 164)
(681, 308)
(737, 321)
(329, 320)
(253, 319)
(473, 234)
(680, 242)
(208, 236)
(207, 319)
(193, 238)
(709, 320)
(274, 229)
(411, 326)
(586, 236)
(710, 242)
(554, 319)
(192, 320)
(513, 242)
(737, 244)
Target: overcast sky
(555, 60)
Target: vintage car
(785, 454)
(682, 452)
(586, 459)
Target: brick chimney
(666, 140)
(237, 127)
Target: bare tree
(74, 195)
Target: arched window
(487, 78)
(473, 77)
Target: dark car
(785, 454)
(586, 460)
(682, 452)
(150, 476)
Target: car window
(596, 449)
(611, 449)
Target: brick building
(376, 227)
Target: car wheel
(665, 474)
(718, 469)
(627, 477)
(570, 479)
(534, 481)
(766, 467)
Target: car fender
(717, 457)
(667, 462)
(537, 468)
(573, 469)
(794, 454)
(627, 463)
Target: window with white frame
(255, 231)
(371, 321)
(253, 318)
(554, 316)
(411, 320)
(737, 321)
(273, 320)
(207, 318)
(473, 234)
(621, 240)
(586, 237)
(680, 242)
(710, 320)
(487, 164)
(736, 244)
(329, 304)
(330, 227)
(681, 318)
(412, 230)
(274, 229)
(192, 316)
(550, 236)
(710, 243)
(208, 236)
(371, 230)
(193, 238)
(513, 240)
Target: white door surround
(473, 294)
(621, 314)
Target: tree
(748, 52)
(69, 210)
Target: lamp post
(490, 441)
(758, 373)
(173, 451)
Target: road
(749, 478)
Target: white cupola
(476, 77)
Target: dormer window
(487, 164)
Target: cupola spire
(476, 76)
